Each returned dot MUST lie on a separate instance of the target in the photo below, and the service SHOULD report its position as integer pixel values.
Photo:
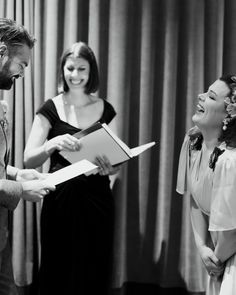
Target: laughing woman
(207, 169)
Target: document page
(139, 149)
(98, 143)
(71, 171)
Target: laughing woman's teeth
(76, 82)
(200, 109)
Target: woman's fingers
(68, 142)
(105, 167)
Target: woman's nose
(202, 96)
(75, 73)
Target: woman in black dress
(76, 219)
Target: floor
(130, 289)
(149, 289)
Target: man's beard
(6, 80)
(5, 83)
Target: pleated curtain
(154, 57)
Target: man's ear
(3, 50)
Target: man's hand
(29, 174)
(35, 190)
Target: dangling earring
(225, 123)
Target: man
(15, 184)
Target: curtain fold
(154, 57)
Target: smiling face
(12, 65)
(76, 72)
(211, 107)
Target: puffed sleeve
(183, 167)
(223, 200)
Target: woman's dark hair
(196, 138)
(229, 135)
(82, 50)
(13, 34)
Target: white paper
(99, 143)
(71, 171)
(140, 149)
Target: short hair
(13, 34)
(80, 50)
(230, 81)
(229, 135)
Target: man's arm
(26, 184)
(12, 172)
(10, 193)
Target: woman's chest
(201, 182)
(81, 117)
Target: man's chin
(6, 86)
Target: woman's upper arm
(223, 201)
(226, 244)
(39, 132)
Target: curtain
(154, 57)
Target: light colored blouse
(214, 191)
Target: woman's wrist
(201, 248)
(46, 149)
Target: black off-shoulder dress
(76, 224)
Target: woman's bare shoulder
(57, 98)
